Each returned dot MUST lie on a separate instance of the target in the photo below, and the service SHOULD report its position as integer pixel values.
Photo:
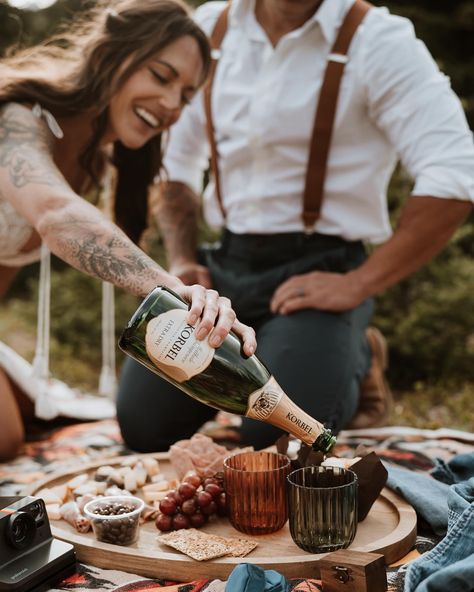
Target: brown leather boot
(376, 402)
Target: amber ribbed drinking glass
(255, 486)
(322, 504)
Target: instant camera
(30, 558)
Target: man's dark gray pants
(319, 358)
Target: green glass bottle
(159, 337)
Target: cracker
(195, 544)
(240, 547)
(203, 546)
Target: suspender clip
(215, 53)
(340, 58)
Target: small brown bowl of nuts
(115, 518)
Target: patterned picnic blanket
(72, 445)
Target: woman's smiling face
(152, 98)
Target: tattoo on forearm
(24, 150)
(177, 215)
(105, 253)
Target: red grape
(164, 522)
(180, 521)
(193, 479)
(168, 506)
(186, 491)
(189, 506)
(176, 496)
(214, 489)
(197, 520)
(210, 480)
(221, 504)
(210, 509)
(204, 499)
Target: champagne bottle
(159, 337)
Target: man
(297, 270)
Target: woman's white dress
(52, 397)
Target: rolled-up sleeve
(413, 104)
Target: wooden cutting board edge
(182, 568)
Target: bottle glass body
(158, 336)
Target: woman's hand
(216, 316)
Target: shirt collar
(328, 17)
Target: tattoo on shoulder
(25, 150)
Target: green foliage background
(428, 319)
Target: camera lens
(37, 510)
(21, 530)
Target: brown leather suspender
(325, 112)
(215, 39)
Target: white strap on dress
(108, 374)
(54, 397)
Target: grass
(432, 407)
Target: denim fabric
(449, 565)
(247, 577)
(427, 495)
(459, 468)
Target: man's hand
(192, 273)
(426, 225)
(317, 289)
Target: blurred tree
(27, 27)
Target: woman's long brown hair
(81, 70)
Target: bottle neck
(324, 442)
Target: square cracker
(202, 546)
(240, 547)
(195, 544)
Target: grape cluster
(192, 503)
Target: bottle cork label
(263, 402)
(271, 404)
(172, 346)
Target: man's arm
(175, 207)
(413, 105)
(426, 225)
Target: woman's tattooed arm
(74, 230)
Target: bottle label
(271, 404)
(263, 402)
(171, 345)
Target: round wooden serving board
(389, 529)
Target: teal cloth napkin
(247, 577)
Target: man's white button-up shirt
(394, 104)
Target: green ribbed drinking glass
(322, 505)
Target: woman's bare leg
(12, 432)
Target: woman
(104, 93)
